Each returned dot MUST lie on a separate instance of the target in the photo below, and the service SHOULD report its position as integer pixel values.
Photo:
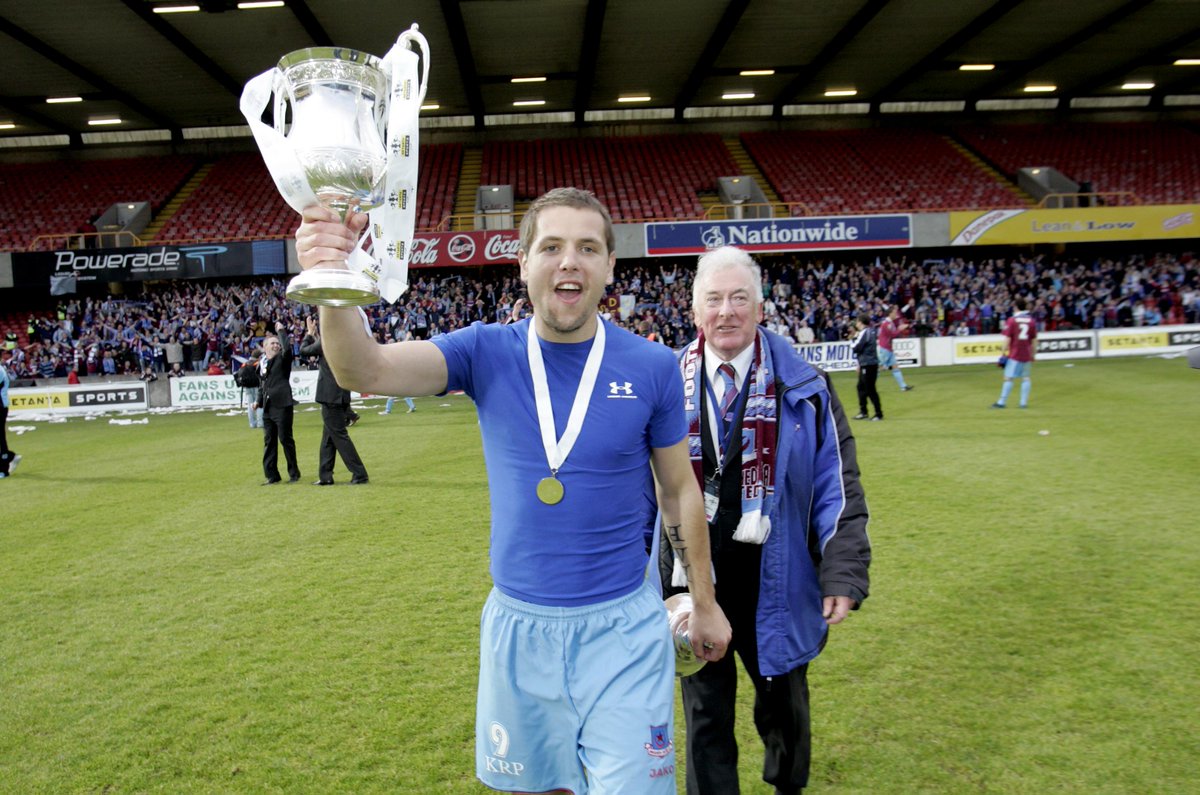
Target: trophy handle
(413, 39)
(282, 91)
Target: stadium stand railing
(844, 171)
(1159, 163)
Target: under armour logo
(617, 389)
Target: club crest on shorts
(660, 744)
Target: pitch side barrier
(987, 348)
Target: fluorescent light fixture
(976, 67)
(103, 121)
(756, 72)
(738, 95)
(1138, 85)
(528, 103)
(1187, 61)
(7, 125)
(430, 106)
(62, 100)
(635, 98)
(260, 4)
(841, 92)
(1040, 88)
(528, 80)
(174, 9)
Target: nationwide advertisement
(1074, 225)
(780, 234)
(199, 261)
(220, 390)
(119, 396)
(450, 249)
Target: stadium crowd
(194, 326)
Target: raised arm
(359, 362)
(682, 508)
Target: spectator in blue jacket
(787, 520)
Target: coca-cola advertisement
(449, 249)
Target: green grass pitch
(169, 626)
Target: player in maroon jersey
(892, 326)
(1021, 332)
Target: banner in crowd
(220, 390)
(1074, 225)
(200, 261)
(780, 234)
(450, 249)
(119, 396)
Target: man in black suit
(335, 415)
(275, 395)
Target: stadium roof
(178, 75)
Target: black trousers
(867, 376)
(781, 712)
(335, 438)
(6, 455)
(277, 432)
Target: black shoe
(862, 415)
(294, 479)
(322, 482)
(352, 420)
(360, 481)
(271, 482)
(906, 389)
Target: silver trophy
(679, 610)
(343, 120)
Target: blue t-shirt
(590, 547)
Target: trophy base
(332, 287)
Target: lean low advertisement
(121, 396)
(1074, 225)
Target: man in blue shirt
(576, 663)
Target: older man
(773, 452)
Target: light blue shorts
(886, 358)
(1015, 369)
(576, 698)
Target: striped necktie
(729, 377)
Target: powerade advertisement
(780, 234)
(198, 261)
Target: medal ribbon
(557, 451)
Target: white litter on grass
(1068, 365)
(144, 421)
(1043, 433)
(444, 405)
(20, 429)
(232, 413)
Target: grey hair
(723, 258)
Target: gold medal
(550, 490)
